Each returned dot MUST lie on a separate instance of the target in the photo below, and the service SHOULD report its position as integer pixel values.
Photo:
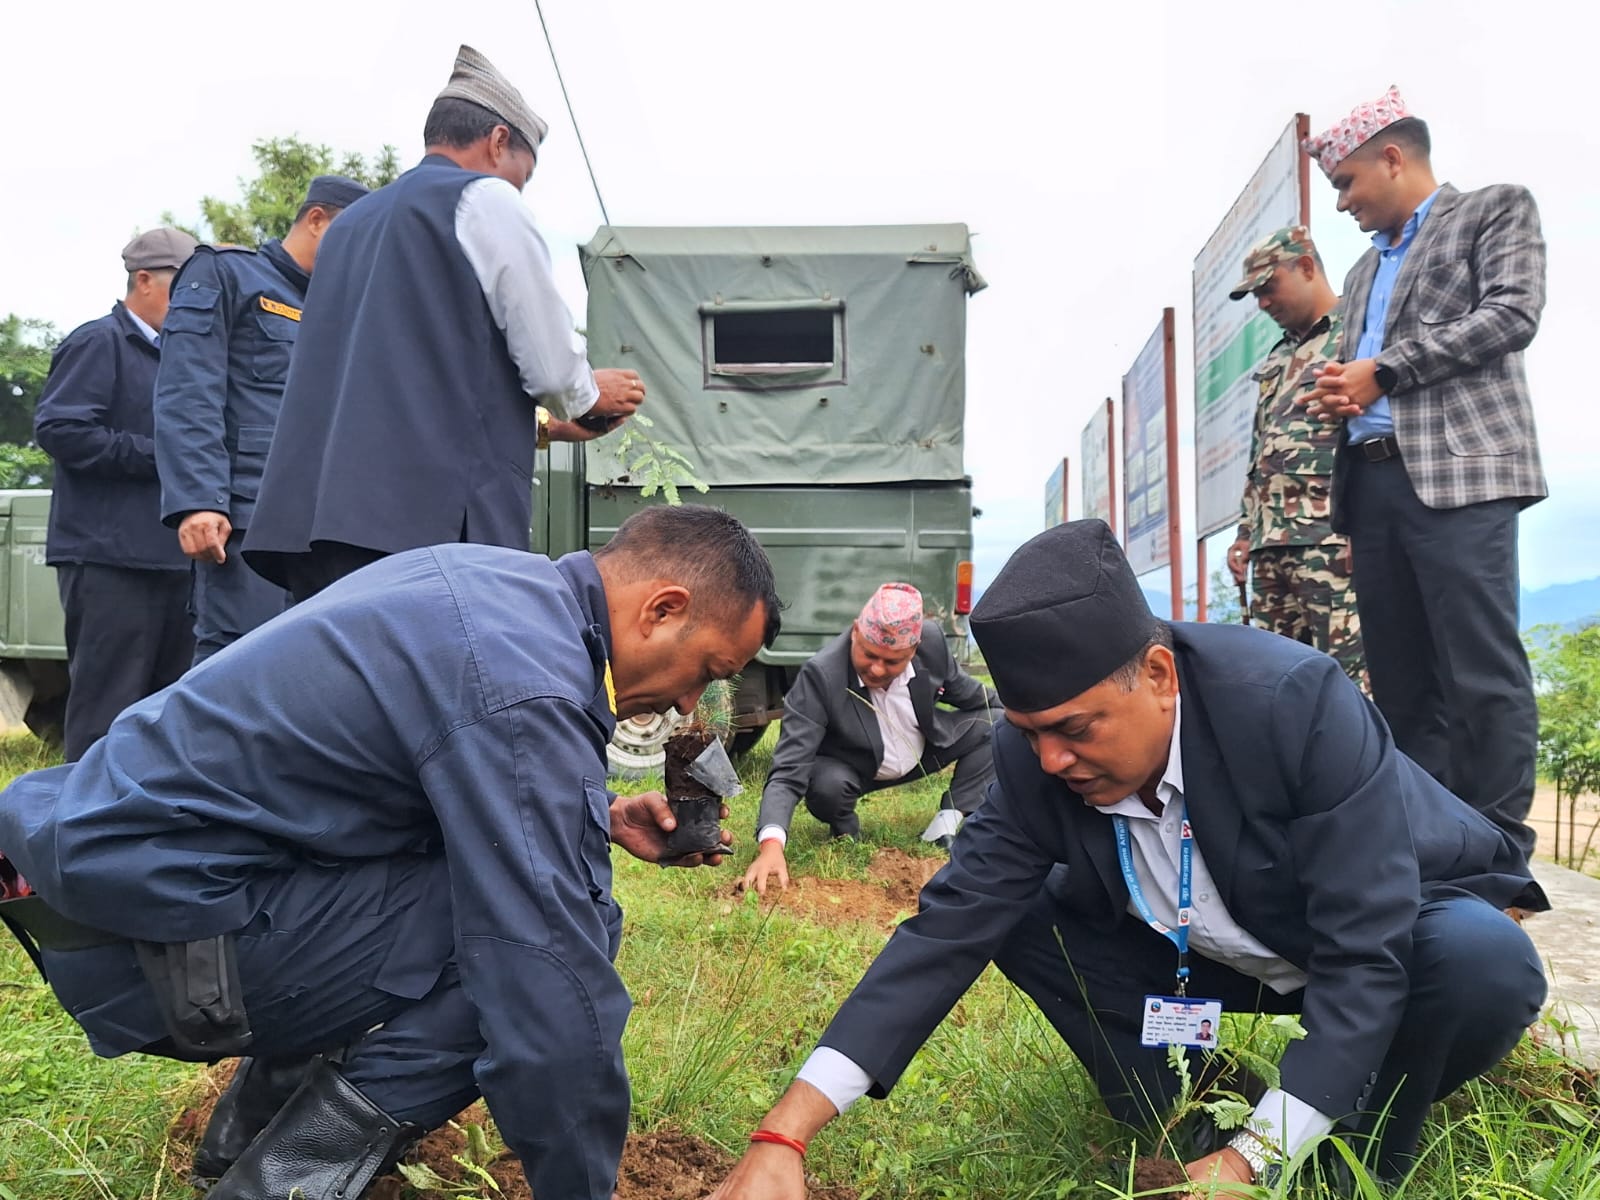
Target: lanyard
(611, 691)
(1179, 937)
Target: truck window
(745, 340)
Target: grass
(730, 996)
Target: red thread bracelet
(779, 1139)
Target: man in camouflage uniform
(1302, 586)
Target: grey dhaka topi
(157, 249)
(1064, 613)
(474, 78)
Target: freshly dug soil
(1152, 1174)
(889, 893)
(655, 1166)
(698, 815)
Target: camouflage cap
(1286, 245)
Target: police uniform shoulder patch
(282, 309)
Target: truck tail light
(963, 588)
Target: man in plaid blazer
(1438, 454)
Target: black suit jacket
(827, 713)
(1323, 838)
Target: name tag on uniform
(282, 309)
(1181, 1021)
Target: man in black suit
(863, 715)
(1328, 876)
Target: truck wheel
(16, 694)
(745, 740)
(638, 746)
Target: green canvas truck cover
(789, 355)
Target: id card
(1181, 1021)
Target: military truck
(33, 638)
(815, 379)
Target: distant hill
(1558, 604)
(1561, 603)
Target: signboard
(1144, 454)
(1231, 337)
(1097, 464)
(1055, 496)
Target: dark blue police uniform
(404, 422)
(228, 336)
(392, 799)
(123, 581)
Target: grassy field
(730, 996)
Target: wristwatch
(1386, 377)
(1251, 1147)
(541, 414)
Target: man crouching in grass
(1188, 819)
(375, 833)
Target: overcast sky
(1091, 149)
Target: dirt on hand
(1153, 1174)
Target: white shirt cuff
(773, 831)
(835, 1076)
(1286, 1122)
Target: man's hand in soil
(774, 1172)
(769, 861)
(204, 535)
(621, 392)
(1216, 1171)
(640, 824)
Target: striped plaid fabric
(1465, 307)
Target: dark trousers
(229, 600)
(836, 786)
(128, 635)
(314, 969)
(1437, 594)
(324, 565)
(1476, 985)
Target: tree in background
(1566, 669)
(286, 168)
(25, 348)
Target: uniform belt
(1379, 449)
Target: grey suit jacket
(827, 713)
(1465, 306)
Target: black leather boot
(328, 1142)
(258, 1090)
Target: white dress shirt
(1280, 1119)
(903, 742)
(498, 236)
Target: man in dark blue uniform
(232, 325)
(435, 356)
(1209, 812)
(124, 585)
(380, 823)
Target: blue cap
(334, 191)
